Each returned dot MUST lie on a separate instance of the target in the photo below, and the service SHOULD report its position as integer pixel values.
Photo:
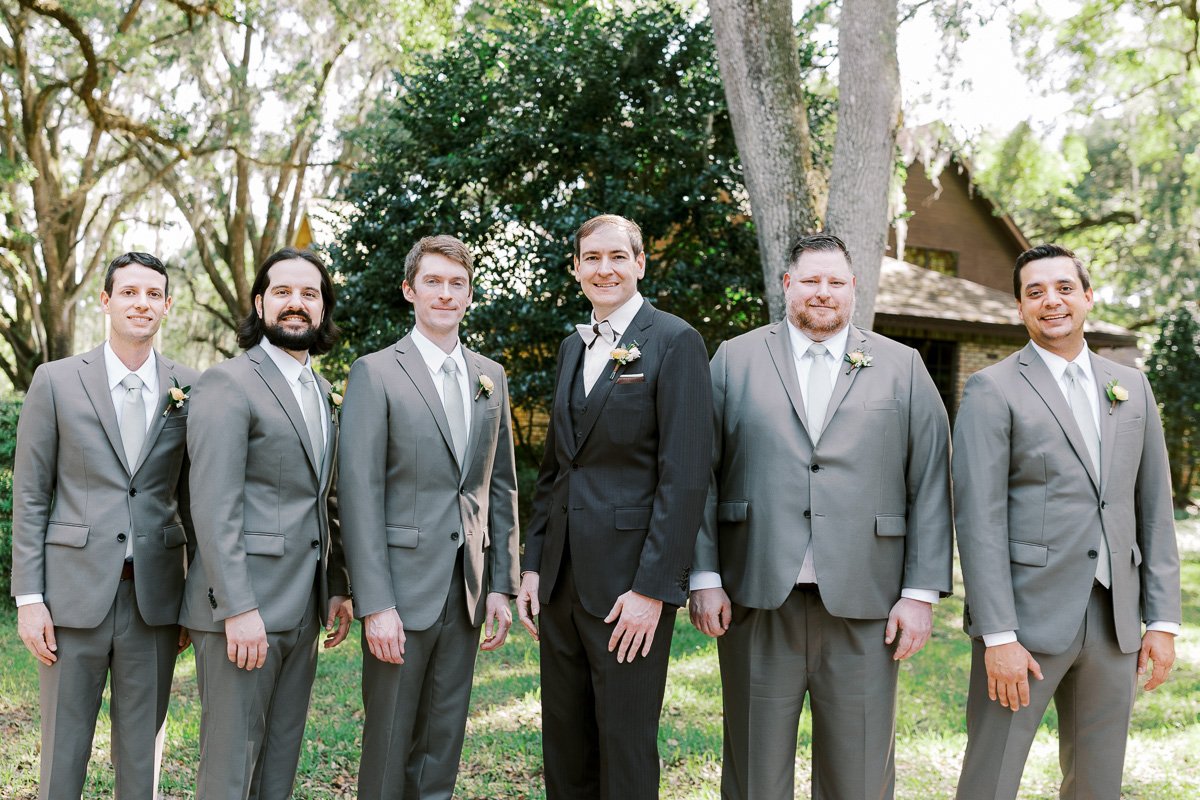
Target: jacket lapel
(283, 393)
(478, 405)
(1034, 370)
(604, 384)
(166, 369)
(780, 348)
(1102, 370)
(95, 382)
(845, 376)
(331, 443)
(415, 367)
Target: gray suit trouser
(416, 712)
(140, 659)
(769, 660)
(252, 721)
(1092, 684)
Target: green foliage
(9, 411)
(538, 117)
(1176, 381)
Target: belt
(127, 570)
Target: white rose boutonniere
(176, 396)
(1116, 394)
(858, 359)
(486, 386)
(335, 399)
(624, 355)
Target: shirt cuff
(702, 579)
(1173, 628)
(29, 599)
(930, 596)
(999, 638)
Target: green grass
(502, 758)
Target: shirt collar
(836, 343)
(622, 318)
(435, 356)
(1058, 365)
(117, 370)
(290, 367)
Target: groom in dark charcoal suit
(618, 502)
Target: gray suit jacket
(76, 500)
(1029, 508)
(405, 501)
(261, 500)
(873, 495)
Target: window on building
(943, 261)
(941, 359)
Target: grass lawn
(502, 758)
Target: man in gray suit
(99, 535)
(269, 567)
(826, 538)
(1063, 511)
(427, 488)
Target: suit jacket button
(564, 508)
(120, 537)
(315, 543)
(815, 468)
(454, 536)
(1103, 504)
(1092, 554)
(807, 514)
(574, 466)
(133, 492)
(463, 490)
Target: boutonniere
(486, 386)
(176, 396)
(858, 359)
(623, 355)
(1116, 394)
(335, 402)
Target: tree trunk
(760, 69)
(864, 152)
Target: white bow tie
(590, 332)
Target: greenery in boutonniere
(176, 396)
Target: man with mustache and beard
(269, 567)
(826, 537)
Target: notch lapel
(845, 377)
(331, 442)
(409, 358)
(478, 400)
(166, 369)
(95, 382)
(1034, 370)
(604, 384)
(1108, 422)
(780, 347)
(283, 394)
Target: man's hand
(499, 613)
(637, 617)
(913, 619)
(1008, 667)
(528, 606)
(246, 640)
(36, 630)
(1159, 647)
(185, 638)
(385, 636)
(711, 611)
(341, 611)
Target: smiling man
(99, 541)
(269, 567)
(826, 537)
(427, 488)
(619, 498)
(1063, 511)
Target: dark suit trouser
(1092, 684)
(416, 712)
(599, 718)
(140, 659)
(252, 721)
(769, 660)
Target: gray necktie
(133, 419)
(1086, 422)
(311, 404)
(819, 390)
(456, 415)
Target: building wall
(959, 222)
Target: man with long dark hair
(269, 566)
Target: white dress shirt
(596, 358)
(434, 357)
(832, 360)
(1058, 370)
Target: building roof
(914, 297)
